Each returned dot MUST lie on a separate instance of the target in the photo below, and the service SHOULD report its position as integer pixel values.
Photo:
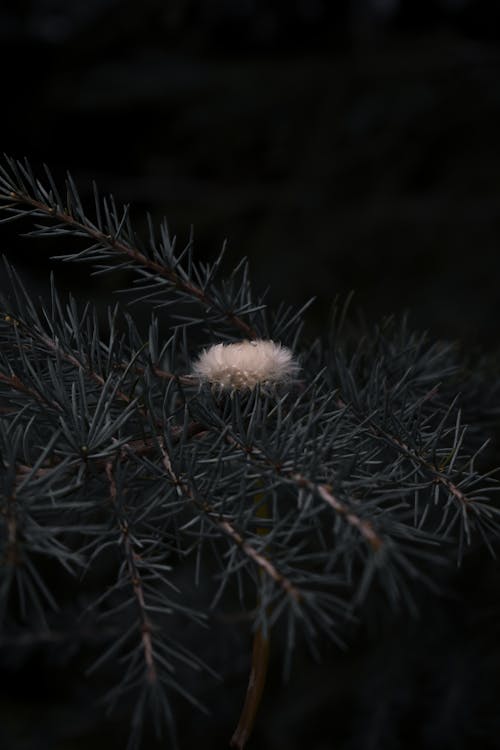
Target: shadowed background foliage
(340, 145)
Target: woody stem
(260, 661)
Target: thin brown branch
(70, 358)
(429, 466)
(57, 349)
(364, 527)
(107, 240)
(260, 560)
(413, 455)
(229, 530)
(14, 382)
(256, 683)
(140, 447)
(135, 579)
(260, 659)
(163, 374)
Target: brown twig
(413, 455)
(260, 560)
(260, 659)
(107, 240)
(229, 530)
(364, 527)
(439, 477)
(135, 579)
(14, 382)
(256, 683)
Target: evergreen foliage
(161, 501)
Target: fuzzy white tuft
(245, 364)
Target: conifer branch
(364, 527)
(439, 477)
(135, 580)
(14, 382)
(111, 241)
(262, 562)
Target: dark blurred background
(340, 145)
(350, 144)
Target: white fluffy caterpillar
(246, 364)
